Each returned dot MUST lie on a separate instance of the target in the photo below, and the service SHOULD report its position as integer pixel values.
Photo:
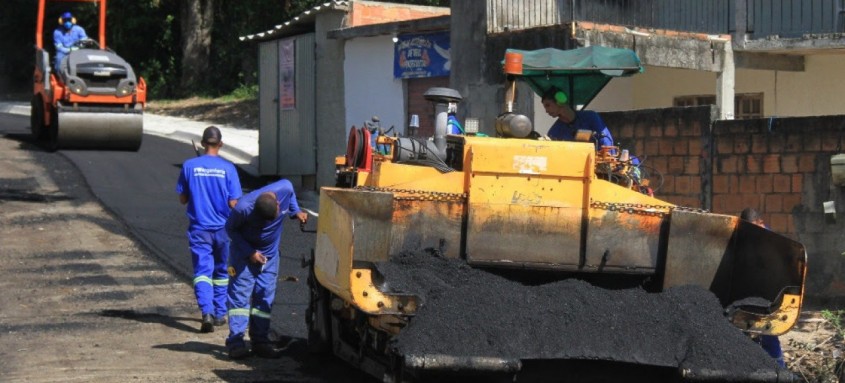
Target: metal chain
(630, 208)
(642, 209)
(417, 195)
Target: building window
(746, 105)
(694, 100)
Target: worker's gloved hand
(74, 48)
(62, 48)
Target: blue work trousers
(210, 255)
(251, 294)
(771, 344)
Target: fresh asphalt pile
(471, 312)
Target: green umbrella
(580, 73)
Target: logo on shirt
(204, 172)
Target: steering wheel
(86, 44)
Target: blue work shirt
(63, 39)
(249, 232)
(584, 120)
(210, 182)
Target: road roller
(92, 100)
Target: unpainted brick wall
(672, 145)
(370, 12)
(780, 166)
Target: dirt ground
(814, 349)
(237, 113)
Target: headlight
(125, 88)
(77, 86)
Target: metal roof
(304, 18)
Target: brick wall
(672, 145)
(781, 167)
(369, 12)
(764, 164)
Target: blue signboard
(421, 55)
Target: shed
(302, 96)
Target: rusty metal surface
(524, 236)
(697, 251)
(733, 258)
(418, 224)
(623, 242)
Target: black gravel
(471, 312)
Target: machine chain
(643, 209)
(417, 195)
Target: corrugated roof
(303, 18)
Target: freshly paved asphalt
(139, 188)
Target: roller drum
(100, 128)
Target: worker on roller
(65, 37)
(569, 122)
(255, 228)
(209, 185)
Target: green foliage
(835, 318)
(146, 33)
(245, 92)
(17, 26)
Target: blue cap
(67, 16)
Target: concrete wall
(470, 61)
(781, 167)
(369, 86)
(815, 92)
(331, 111)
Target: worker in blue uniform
(569, 122)
(255, 227)
(65, 36)
(210, 187)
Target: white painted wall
(818, 91)
(369, 84)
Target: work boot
(207, 323)
(265, 350)
(219, 321)
(238, 352)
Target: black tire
(318, 315)
(36, 119)
(52, 143)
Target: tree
(197, 22)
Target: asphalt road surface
(138, 188)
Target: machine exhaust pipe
(412, 149)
